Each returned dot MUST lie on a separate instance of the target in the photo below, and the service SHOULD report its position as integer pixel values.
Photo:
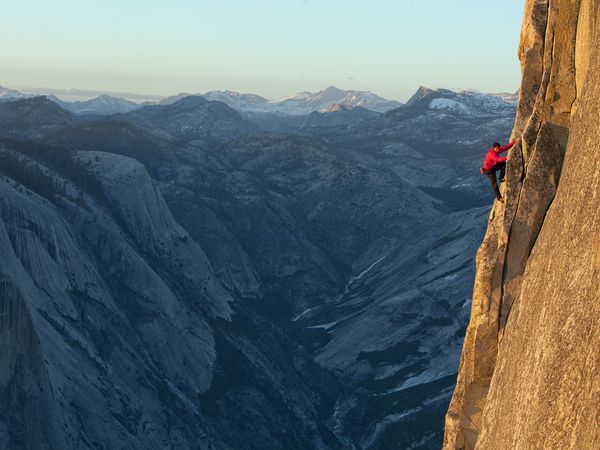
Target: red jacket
(493, 156)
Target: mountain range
(300, 104)
(186, 276)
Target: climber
(494, 162)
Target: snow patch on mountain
(362, 274)
(465, 103)
(449, 104)
(9, 95)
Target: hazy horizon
(270, 48)
(75, 93)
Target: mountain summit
(103, 105)
(421, 93)
(307, 102)
(463, 102)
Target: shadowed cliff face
(25, 390)
(529, 374)
(114, 332)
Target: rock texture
(530, 369)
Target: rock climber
(492, 163)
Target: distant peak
(189, 101)
(421, 93)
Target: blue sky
(268, 47)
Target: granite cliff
(529, 373)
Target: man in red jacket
(492, 163)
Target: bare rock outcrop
(530, 370)
(90, 329)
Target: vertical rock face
(25, 391)
(530, 369)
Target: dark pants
(491, 176)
